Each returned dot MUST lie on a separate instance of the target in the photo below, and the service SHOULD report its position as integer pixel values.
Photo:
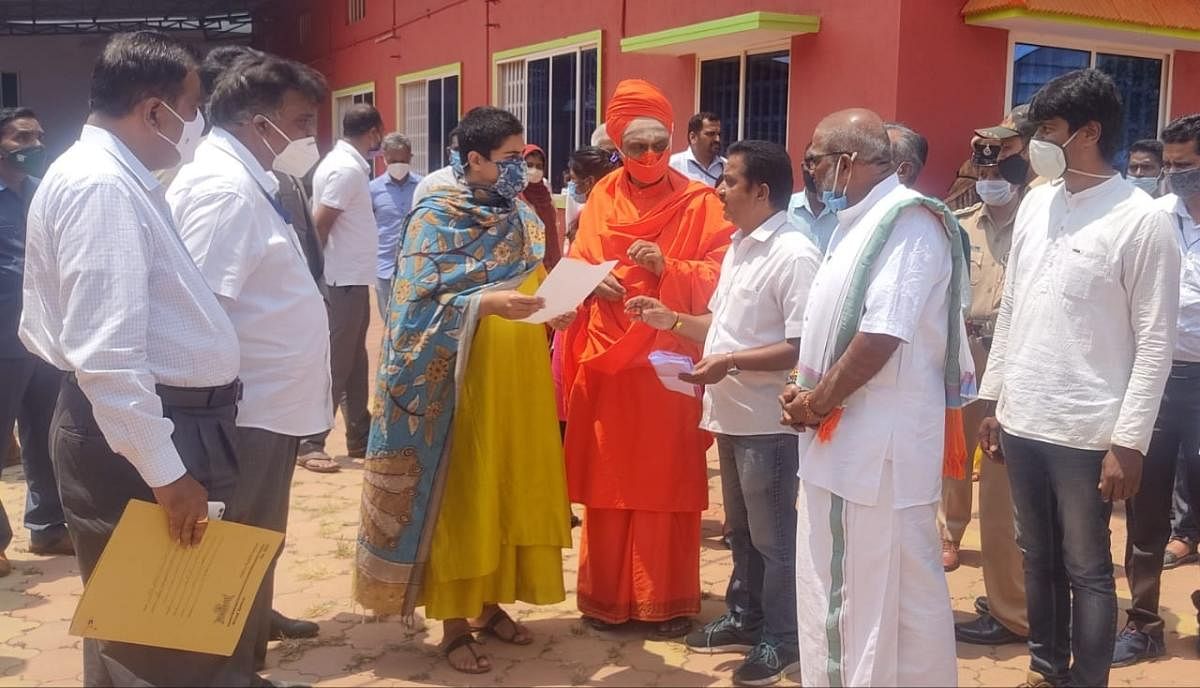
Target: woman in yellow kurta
(464, 497)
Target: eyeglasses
(810, 159)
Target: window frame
(351, 7)
(576, 44)
(424, 77)
(1049, 40)
(772, 47)
(347, 92)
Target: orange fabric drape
(635, 453)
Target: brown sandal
(468, 641)
(318, 462)
(673, 628)
(492, 628)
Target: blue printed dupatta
(454, 249)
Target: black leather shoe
(283, 627)
(981, 606)
(985, 630)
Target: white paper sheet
(567, 285)
(669, 365)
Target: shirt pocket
(976, 265)
(741, 308)
(1083, 274)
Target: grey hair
(909, 147)
(256, 84)
(396, 140)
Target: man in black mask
(30, 386)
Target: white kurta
(873, 606)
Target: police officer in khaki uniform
(1002, 171)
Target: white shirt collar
(344, 145)
(689, 155)
(883, 188)
(228, 143)
(1075, 199)
(767, 229)
(105, 139)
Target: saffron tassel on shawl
(954, 460)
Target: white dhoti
(872, 601)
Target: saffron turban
(636, 98)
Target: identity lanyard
(276, 204)
(1187, 245)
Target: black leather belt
(194, 397)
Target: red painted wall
(913, 61)
(1185, 92)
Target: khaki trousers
(1003, 568)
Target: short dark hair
(1182, 130)
(696, 123)
(221, 58)
(359, 119)
(136, 66)
(10, 114)
(1152, 146)
(591, 161)
(767, 163)
(1079, 97)
(257, 84)
(484, 129)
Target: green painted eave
(682, 36)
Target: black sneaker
(723, 634)
(766, 665)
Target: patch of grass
(578, 630)
(420, 676)
(345, 549)
(316, 573)
(320, 609)
(579, 676)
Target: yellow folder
(148, 590)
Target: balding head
(856, 130)
(850, 154)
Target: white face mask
(296, 158)
(399, 170)
(995, 192)
(189, 137)
(1048, 159)
(534, 175)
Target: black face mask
(1014, 169)
(809, 183)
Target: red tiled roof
(1163, 14)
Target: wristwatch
(731, 368)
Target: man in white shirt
(702, 159)
(875, 383)
(112, 297)
(345, 225)
(751, 339)
(1081, 351)
(226, 206)
(1175, 444)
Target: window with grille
(1139, 80)
(428, 113)
(9, 96)
(555, 96)
(303, 27)
(750, 94)
(355, 10)
(343, 102)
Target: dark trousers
(1062, 530)
(96, 484)
(28, 392)
(1176, 442)
(349, 315)
(759, 484)
(267, 461)
(1183, 521)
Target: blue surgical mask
(1147, 184)
(514, 173)
(833, 201)
(574, 194)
